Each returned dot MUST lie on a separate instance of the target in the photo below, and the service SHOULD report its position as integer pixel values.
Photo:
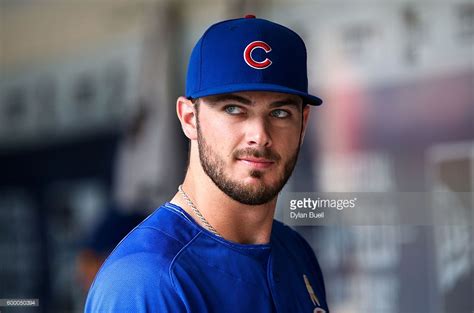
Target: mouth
(258, 163)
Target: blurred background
(90, 143)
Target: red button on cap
(250, 16)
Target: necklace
(197, 212)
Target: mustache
(257, 153)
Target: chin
(258, 182)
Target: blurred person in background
(108, 233)
(215, 247)
(129, 200)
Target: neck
(234, 221)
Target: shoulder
(131, 285)
(293, 243)
(136, 277)
(284, 234)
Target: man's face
(249, 142)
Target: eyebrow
(231, 97)
(276, 104)
(285, 102)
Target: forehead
(254, 97)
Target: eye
(279, 113)
(233, 109)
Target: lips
(259, 163)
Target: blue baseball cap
(248, 54)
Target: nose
(258, 133)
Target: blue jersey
(169, 263)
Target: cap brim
(307, 98)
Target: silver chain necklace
(196, 211)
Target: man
(215, 246)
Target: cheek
(219, 138)
(287, 141)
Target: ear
(306, 110)
(187, 116)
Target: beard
(213, 165)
